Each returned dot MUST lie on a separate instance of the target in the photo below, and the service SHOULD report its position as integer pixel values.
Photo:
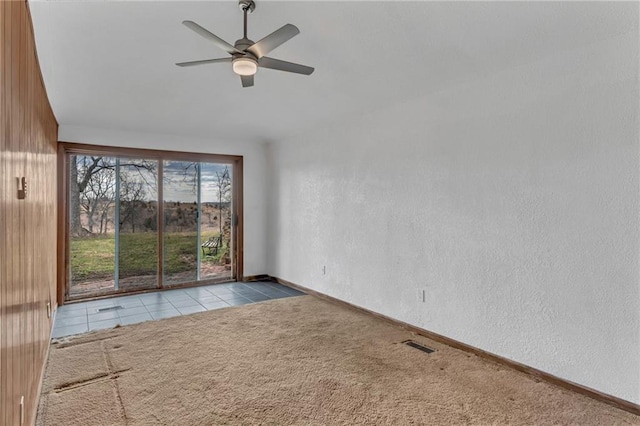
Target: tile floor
(76, 318)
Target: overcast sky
(179, 183)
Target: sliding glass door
(140, 223)
(137, 231)
(197, 222)
(181, 211)
(216, 228)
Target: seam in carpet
(67, 344)
(123, 413)
(85, 382)
(80, 383)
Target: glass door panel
(91, 220)
(181, 206)
(137, 239)
(216, 221)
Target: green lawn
(94, 257)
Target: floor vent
(109, 308)
(418, 346)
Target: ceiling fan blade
(247, 80)
(214, 38)
(204, 61)
(273, 40)
(277, 64)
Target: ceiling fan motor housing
(243, 44)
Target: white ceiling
(111, 64)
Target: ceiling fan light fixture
(245, 66)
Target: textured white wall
(512, 201)
(255, 201)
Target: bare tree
(132, 194)
(75, 225)
(98, 197)
(223, 186)
(85, 168)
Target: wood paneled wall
(28, 138)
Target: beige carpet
(297, 361)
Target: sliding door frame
(65, 149)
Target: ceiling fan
(247, 56)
